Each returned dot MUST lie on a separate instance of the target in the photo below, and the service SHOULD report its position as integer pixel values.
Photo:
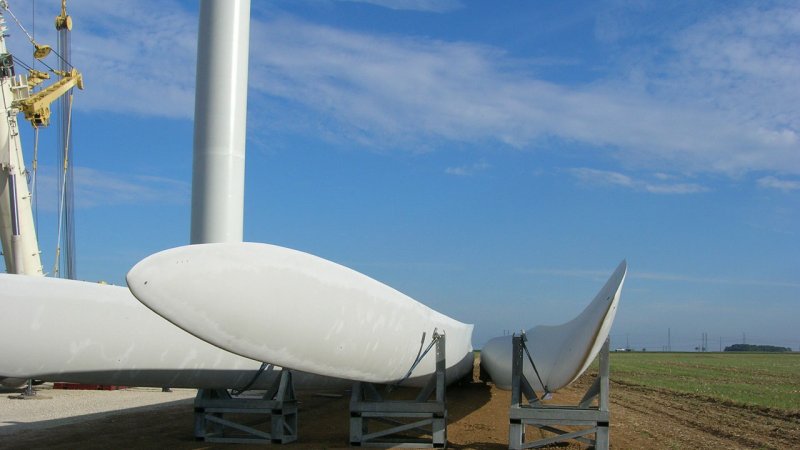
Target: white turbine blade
(561, 353)
(296, 310)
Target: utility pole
(669, 340)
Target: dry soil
(641, 418)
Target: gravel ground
(477, 419)
(55, 407)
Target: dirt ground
(641, 418)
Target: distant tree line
(756, 348)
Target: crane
(36, 107)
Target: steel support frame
(593, 419)
(278, 404)
(368, 406)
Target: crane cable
(62, 200)
(30, 38)
(35, 163)
(19, 24)
(34, 167)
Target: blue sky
(493, 162)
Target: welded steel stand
(29, 394)
(278, 404)
(591, 419)
(422, 414)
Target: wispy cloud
(664, 185)
(656, 276)
(410, 265)
(739, 66)
(716, 96)
(776, 183)
(467, 169)
(661, 276)
(572, 273)
(138, 58)
(135, 57)
(415, 5)
(390, 89)
(94, 188)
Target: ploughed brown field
(641, 418)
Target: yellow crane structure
(36, 107)
(26, 93)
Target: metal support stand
(29, 394)
(593, 419)
(278, 404)
(422, 414)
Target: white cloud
(393, 90)
(572, 273)
(136, 57)
(720, 98)
(467, 169)
(415, 5)
(662, 276)
(95, 188)
(776, 183)
(597, 177)
(658, 276)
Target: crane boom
(37, 107)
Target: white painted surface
(296, 310)
(74, 331)
(220, 119)
(563, 352)
(21, 255)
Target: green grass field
(769, 380)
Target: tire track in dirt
(685, 421)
